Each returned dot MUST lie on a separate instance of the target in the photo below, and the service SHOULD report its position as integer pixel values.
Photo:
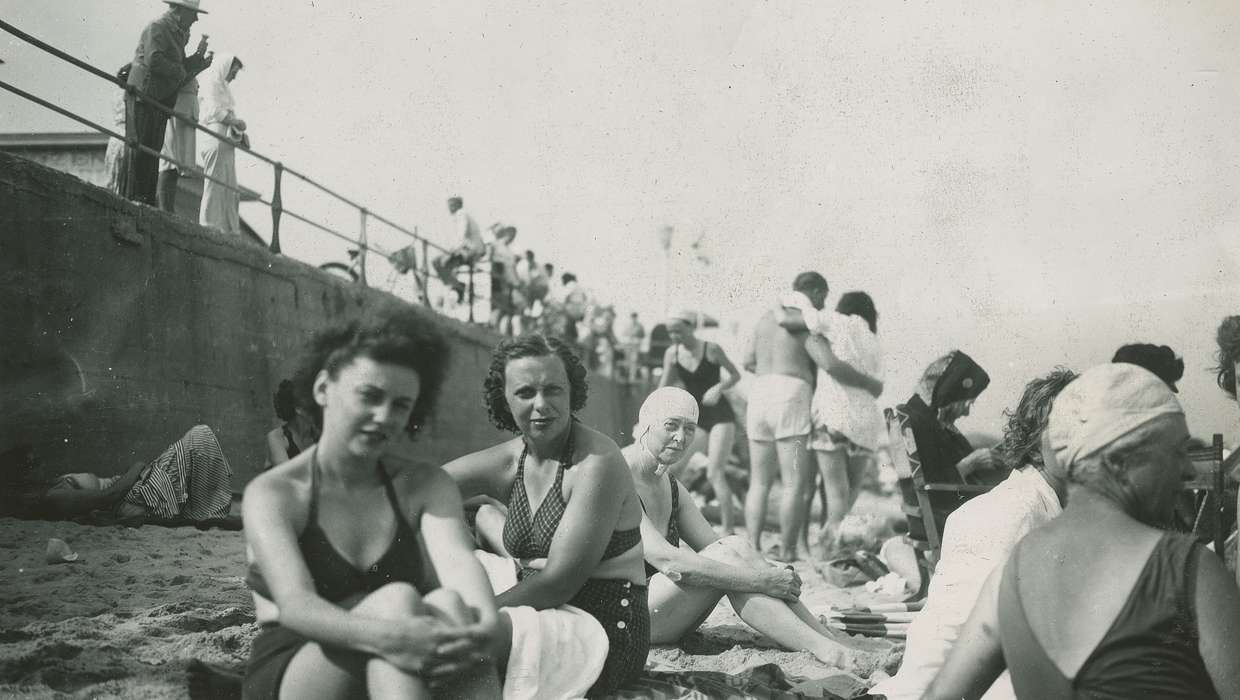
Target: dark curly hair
(1022, 436)
(1158, 359)
(530, 345)
(1228, 339)
(400, 338)
(285, 401)
(858, 304)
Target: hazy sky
(1036, 183)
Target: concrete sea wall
(121, 326)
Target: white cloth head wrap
(217, 101)
(1102, 405)
(661, 404)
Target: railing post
(471, 292)
(426, 269)
(361, 253)
(277, 207)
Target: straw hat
(188, 4)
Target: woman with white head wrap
(218, 113)
(686, 584)
(1100, 603)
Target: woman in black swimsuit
(570, 500)
(686, 584)
(297, 430)
(344, 549)
(706, 383)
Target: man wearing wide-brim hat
(160, 67)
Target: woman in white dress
(220, 204)
(847, 423)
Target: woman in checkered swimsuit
(573, 515)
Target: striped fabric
(191, 479)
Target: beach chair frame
(1212, 493)
(907, 463)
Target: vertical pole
(363, 249)
(471, 292)
(1220, 500)
(426, 271)
(277, 206)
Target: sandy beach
(125, 619)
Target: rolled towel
(556, 653)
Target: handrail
(145, 149)
(276, 203)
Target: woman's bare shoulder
(591, 442)
(500, 453)
(284, 482)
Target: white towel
(556, 653)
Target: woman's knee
(448, 605)
(393, 599)
(725, 550)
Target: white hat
(188, 4)
(1103, 405)
(668, 402)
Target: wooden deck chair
(1211, 494)
(904, 457)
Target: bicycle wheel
(339, 270)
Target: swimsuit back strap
(312, 516)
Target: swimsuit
(698, 382)
(293, 450)
(1149, 650)
(619, 606)
(335, 579)
(673, 522)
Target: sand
(138, 604)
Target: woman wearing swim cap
(686, 585)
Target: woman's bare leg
(316, 673)
(790, 625)
(675, 610)
(833, 465)
(858, 465)
(720, 447)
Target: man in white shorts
(778, 421)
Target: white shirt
(978, 537)
(849, 410)
(467, 230)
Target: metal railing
(279, 169)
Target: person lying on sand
(191, 480)
(686, 585)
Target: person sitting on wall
(191, 480)
(297, 430)
(470, 249)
